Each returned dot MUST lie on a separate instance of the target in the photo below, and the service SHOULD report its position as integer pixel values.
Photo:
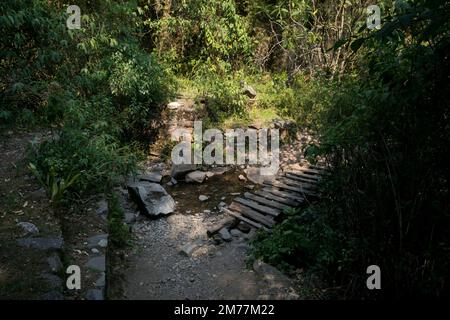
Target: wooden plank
(254, 205)
(252, 214)
(324, 169)
(301, 191)
(242, 218)
(301, 177)
(264, 201)
(271, 196)
(309, 171)
(295, 183)
(225, 222)
(288, 195)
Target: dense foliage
(386, 135)
(94, 85)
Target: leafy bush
(386, 136)
(222, 90)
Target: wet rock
(225, 235)
(95, 294)
(151, 198)
(172, 182)
(180, 170)
(45, 243)
(203, 197)
(28, 227)
(55, 264)
(235, 232)
(152, 177)
(100, 240)
(243, 227)
(97, 263)
(52, 295)
(195, 176)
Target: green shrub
(119, 232)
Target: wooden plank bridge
(289, 189)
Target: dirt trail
(158, 269)
(25, 272)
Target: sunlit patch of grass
(258, 117)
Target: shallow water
(218, 188)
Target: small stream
(219, 188)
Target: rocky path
(173, 259)
(198, 250)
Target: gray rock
(152, 177)
(52, 280)
(129, 217)
(47, 243)
(180, 170)
(97, 263)
(174, 105)
(249, 91)
(243, 227)
(52, 295)
(225, 235)
(102, 208)
(28, 227)
(195, 177)
(219, 170)
(54, 262)
(254, 175)
(235, 232)
(189, 248)
(100, 283)
(242, 178)
(203, 197)
(222, 204)
(151, 198)
(95, 294)
(207, 211)
(95, 251)
(100, 240)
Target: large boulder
(249, 91)
(151, 198)
(180, 170)
(254, 175)
(195, 176)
